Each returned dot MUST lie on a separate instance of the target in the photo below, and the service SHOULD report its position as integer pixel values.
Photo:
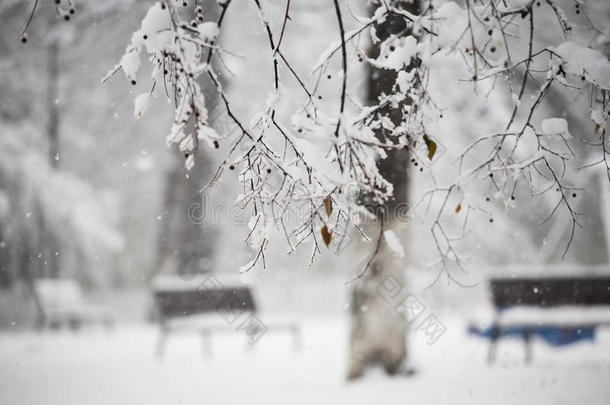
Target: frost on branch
(503, 49)
(323, 154)
(179, 51)
(141, 104)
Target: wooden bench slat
(174, 303)
(550, 292)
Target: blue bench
(558, 309)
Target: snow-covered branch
(323, 161)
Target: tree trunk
(378, 332)
(52, 108)
(604, 200)
(50, 244)
(185, 242)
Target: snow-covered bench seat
(560, 309)
(213, 303)
(62, 304)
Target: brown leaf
(328, 204)
(597, 127)
(431, 145)
(327, 236)
(458, 208)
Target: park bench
(212, 303)
(563, 306)
(62, 304)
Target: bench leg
(493, 344)
(162, 341)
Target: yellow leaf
(458, 208)
(328, 204)
(431, 146)
(327, 236)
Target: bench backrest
(550, 292)
(175, 302)
(57, 294)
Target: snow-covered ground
(118, 367)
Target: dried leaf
(431, 145)
(597, 127)
(458, 208)
(327, 236)
(328, 204)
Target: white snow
(94, 367)
(130, 63)
(555, 126)
(510, 5)
(155, 30)
(208, 30)
(566, 315)
(394, 243)
(454, 22)
(586, 62)
(208, 134)
(396, 53)
(141, 104)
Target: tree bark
(604, 200)
(51, 247)
(52, 109)
(185, 243)
(378, 333)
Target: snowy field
(118, 367)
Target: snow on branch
(323, 162)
